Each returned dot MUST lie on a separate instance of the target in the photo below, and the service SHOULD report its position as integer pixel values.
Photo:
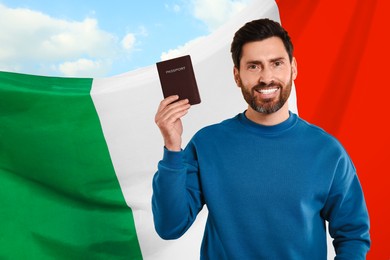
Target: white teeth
(268, 91)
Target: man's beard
(266, 106)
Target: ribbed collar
(268, 130)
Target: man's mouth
(267, 91)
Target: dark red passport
(177, 77)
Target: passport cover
(177, 77)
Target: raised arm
(168, 120)
(176, 193)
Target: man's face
(265, 75)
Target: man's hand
(168, 119)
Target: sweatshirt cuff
(173, 159)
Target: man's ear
(236, 74)
(294, 68)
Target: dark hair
(258, 30)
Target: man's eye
(278, 63)
(253, 67)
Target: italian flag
(77, 155)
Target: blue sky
(97, 38)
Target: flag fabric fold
(77, 155)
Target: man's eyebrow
(277, 59)
(261, 62)
(254, 62)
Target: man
(270, 180)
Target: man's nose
(265, 76)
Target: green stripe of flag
(60, 197)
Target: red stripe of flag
(343, 86)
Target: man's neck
(268, 119)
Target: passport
(177, 77)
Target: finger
(165, 102)
(172, 113)
(172, 107)
(168, 126)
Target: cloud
(34, 42)
(128, 41)
(173, 8)
(215, 13)
(83, 68)
(30, 40)
(180, 50)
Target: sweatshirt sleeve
(176, 199)
(346, 211)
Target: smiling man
(266, 80)
(269, 179)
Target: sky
(98, 38)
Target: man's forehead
(270, 48)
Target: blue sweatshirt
(268, 190)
